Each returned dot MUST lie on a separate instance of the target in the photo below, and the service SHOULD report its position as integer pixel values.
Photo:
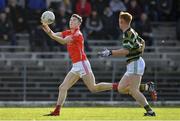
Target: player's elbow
(63, 42)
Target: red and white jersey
(76, 47)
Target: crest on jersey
(129, 33)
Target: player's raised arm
(47, 18)
(56, 36)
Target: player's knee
(120, 90)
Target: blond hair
(126, 16)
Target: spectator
(117, 6)
(165, 8)
(135, 10)
(35, 8)
(54, 5)
(144, 5)
(62, 18)
(2, 5)
(126, 3)
(93, 26)
(38, 39)
(49, 2)
(150, 8)
(100, 5)
(36, 4)
(17, 16)
(21, 3)
(110, 31)
(83, 8)
(6, 30)
(7, 12)
(69, 6)
(144, 28)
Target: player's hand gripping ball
(48, 17)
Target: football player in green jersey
(133, 48)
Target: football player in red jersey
(81, 68)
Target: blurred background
(32, 65)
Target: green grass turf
(90, 113)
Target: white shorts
(136, 67)
(81, 68)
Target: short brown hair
(126, 16)
(78, 17)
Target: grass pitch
(88, 113)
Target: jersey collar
(127, 30)
(75, 30)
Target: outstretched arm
(55, 36)
(119, 52)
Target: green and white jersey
(132, 42)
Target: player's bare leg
(68, 82)
(134, 83)
(89, 81)
(123, 86)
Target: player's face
(74, 23)
(121, 23)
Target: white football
(48, 17)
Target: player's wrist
(110, 52)
(49, 32)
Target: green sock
(148, 108)
(143, 87)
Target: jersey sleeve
(140, 39)
(64, 33)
